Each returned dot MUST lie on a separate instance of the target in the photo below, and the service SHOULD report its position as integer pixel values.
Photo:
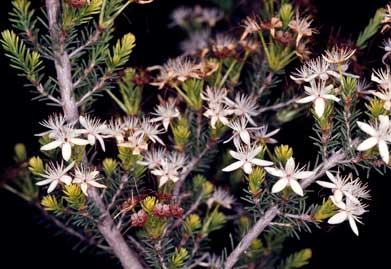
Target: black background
(27, 243)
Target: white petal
(235, 154)
(384, 122)
(52, 186)
(305, 100)
(275, 171)
(52, 145)
(304, 174)
(338, 195)
(383, 150)
(279, 185)
(331, 176)
(101, 142)
(353, 224)
(260, 162)
(247, 168)
(351, 197)
(245, 136)
(338, 218)
(91, 139)
(233, 166)
(331, 97)
(290, 165)
(79, 141)
(43, 182)
(96, 184)
(367, 128)
(84, 188)
(83, 122)
(66, 179)
(367, 144)
(326, 184)
(66, 151)
(319, 106)
(296, 187)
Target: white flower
(151, 131)
(239, 131)
(153, 158)
(218, 113)
(94, 130)
(246, 158)
(221, 197)
(338, 55)
(197, 42)
(384, 95)
(214, 96)
(165, 113)
(340, 186)
(169, 168)
(348, 211)
(244, 106)
(55, 174)
(87, 178)
(302, 26)
(65, 140)
(262, 135)
(379, 135)
(288, 177)
(382, 77)
(56, 123)
(318, 93)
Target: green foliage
(36, 166)
(326, 210)
(128, 159)
(178, 259)
(21, 58)
(109, 166)
(255, 180)
(148, 204)
(20, 153)
(72, 17)
(201, 184)
(286, 14)
(130, 93)
(298, 259)
(214, 221)
(121, 53)
(283, 153)
(375, 108)
(50, 203)
(22, 15)
(192, 224)
(191, 92)
(74, 196)
(181, 133)
(371, 29)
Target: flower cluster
(56, 174)
(348, 194)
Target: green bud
(181, 133)
(286, 14)
(36, 166)
(178, 259)
(192, 224)
(326, 210)
(255, 180)
(109, 166)
(283, 153)
(148, 204)
(20, 153)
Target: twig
(198, 261)
(124, 180)
(251, 235)
(99, 85)
(94, 38)
(278, 105)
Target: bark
(106, 225)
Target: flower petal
(353, 224)
(66, 151)
(279, 185)
(304, 174)
(247, 168)
(338, 218)
(52, 186)
(305, 100)
(79, 141)
(260, 162)
(233, 166)
(51, 145)
(319, 106)
(66, 179)
(295, 186)
(326, 184)
(383, 150)
(245, 136)
(367, 144)
(367, 128)
(275, 171)
(290, 165)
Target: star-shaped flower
(348, 211)
(380, 135)
(93, 129)
(165, 113)
(246, 158)
(54, 174)
(340, 187)
(87, 178)
(318, 93)
(288, 177)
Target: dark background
(26, 242)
